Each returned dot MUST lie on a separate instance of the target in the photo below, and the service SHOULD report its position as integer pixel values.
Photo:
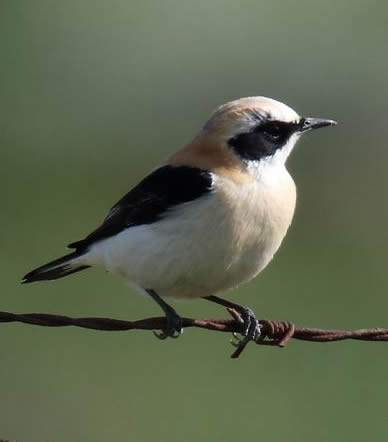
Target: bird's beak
(307, 124)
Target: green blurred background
(93, 94)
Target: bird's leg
(250, 327)
(174, 321)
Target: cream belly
(207, 246)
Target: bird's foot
(250, 329)
(249, 326)
(173, 321)
(173, 328)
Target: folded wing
(150, 200)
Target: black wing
(146, 203)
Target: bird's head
(247, 134)
(260, 129)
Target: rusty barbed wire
(275, 333)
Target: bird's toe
(173, 327)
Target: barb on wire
(276, 333)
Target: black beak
(307, 124)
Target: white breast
(205, 246)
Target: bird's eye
(273, 132)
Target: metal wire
(277, 333)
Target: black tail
(57, 269)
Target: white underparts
(208, 245)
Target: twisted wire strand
(276, 333)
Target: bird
(207, 219)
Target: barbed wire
(275, 333)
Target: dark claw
(250, 327)
(160, 335)
(174, 327)
(235, 341)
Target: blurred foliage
(93, 95)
